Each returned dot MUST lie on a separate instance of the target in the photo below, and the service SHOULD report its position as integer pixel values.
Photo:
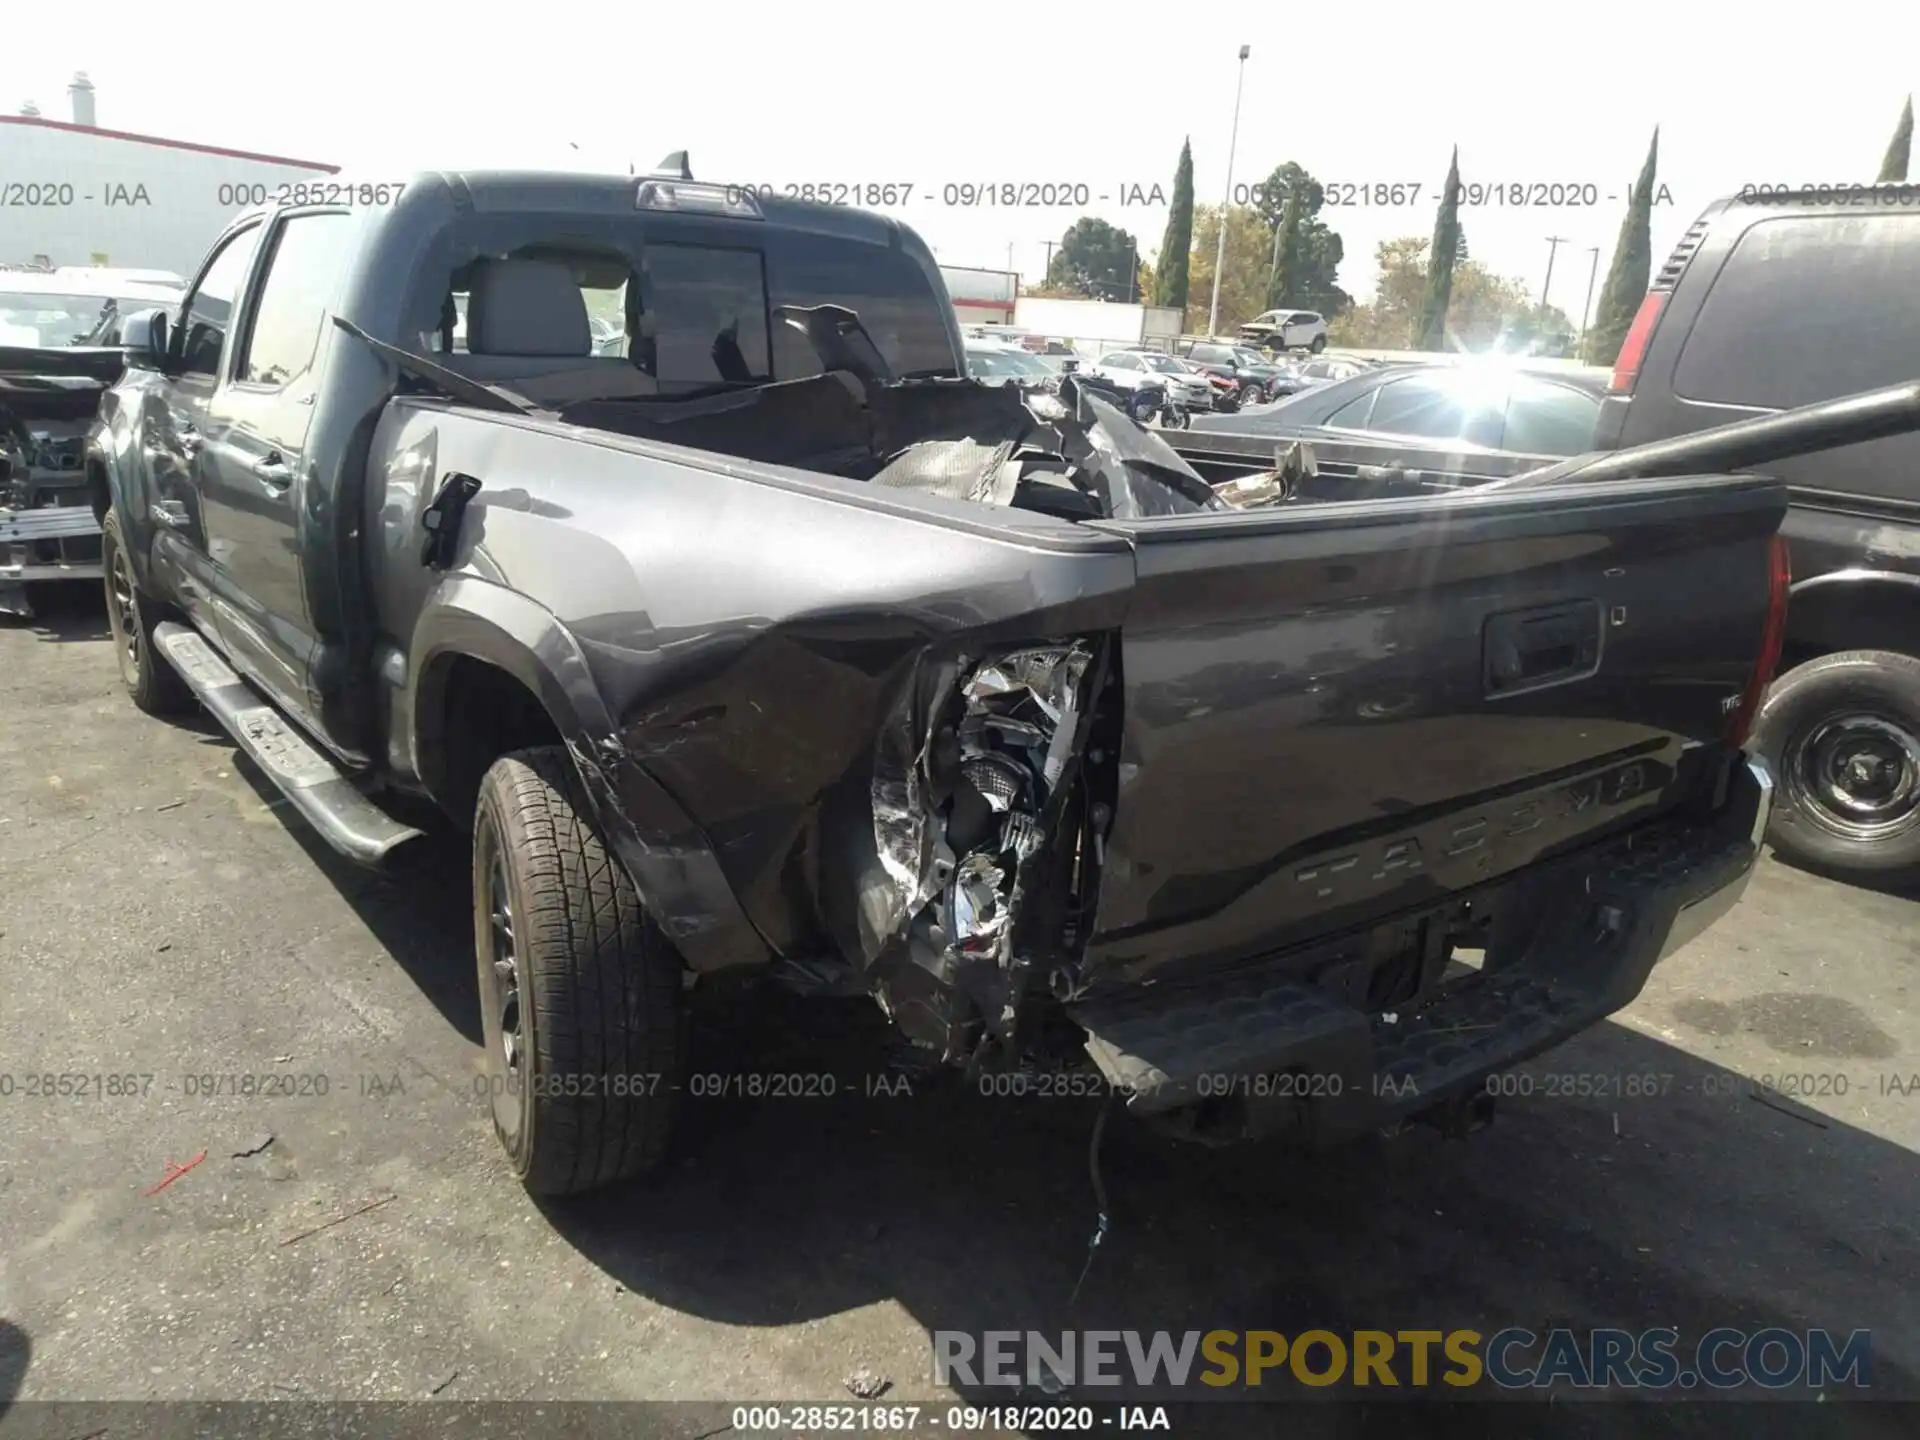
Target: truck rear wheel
(580, 993)
(1842, 734)
(156, 687)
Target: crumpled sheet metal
(905, 830)
(978, 889)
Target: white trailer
(981, 297)
(1094, 327)
(78, 195)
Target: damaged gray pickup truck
(772, 642)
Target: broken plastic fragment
(977, 912)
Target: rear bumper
(1263, 1052)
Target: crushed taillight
(1772, 637)
(1633, 349)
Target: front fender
(668, 856)
(116, 458)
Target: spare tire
(1842, 735)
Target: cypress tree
(1893, 166)
(1286, 270)
(1441, 256)
(1628, 273)
(1170, 269)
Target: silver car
(1130, 369)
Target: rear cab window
(674, 296)
(1805, 309)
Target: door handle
(273, 471)
(1528, 649)
(191, 440)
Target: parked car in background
(1287, 330)
(43, 309)
(1399, 430)
(993, 364)
(1324, 368)
(1130, 369)
(59, 333)
(1485, 407)
(1771, 301)
(1242, 374)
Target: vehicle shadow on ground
(1904, 887)
(16, 1355)
(64, 611)
(420, 908)
(1708, 1207)
(1694, 1207)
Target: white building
(72, 193)
(981, 297)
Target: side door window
(207, 314)
(1435, 407)
(295, 296)
(1548, 419)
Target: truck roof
(598, 193)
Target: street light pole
(1586, 310)
(1554, 242)
(1233, 141)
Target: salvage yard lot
(160, 916)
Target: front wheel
(132, 614)
(1251, 394)
(1842, 735)
(580, 993)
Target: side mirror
(144, 337)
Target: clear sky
(938, 94)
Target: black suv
(1776, 298)
(1254, 379)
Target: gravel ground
(358, 1238)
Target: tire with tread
(1319, 344)
(1872, 682)
(598, 985)
(155, 686)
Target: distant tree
(1098, 260)
(1170, 283)
(1631, 266)
(1893, 166)
(1481, 308)
(1243, 279)
(1305, 255)
(1445, 251)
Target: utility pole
(1586, 310)
(1049, 270)
(1233, 140)
(1554, 242)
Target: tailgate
(1335, 712)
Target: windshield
(37, 321)
(1165, 364)
(1250, 357)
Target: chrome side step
(345, 818)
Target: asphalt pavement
(289, 1190)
